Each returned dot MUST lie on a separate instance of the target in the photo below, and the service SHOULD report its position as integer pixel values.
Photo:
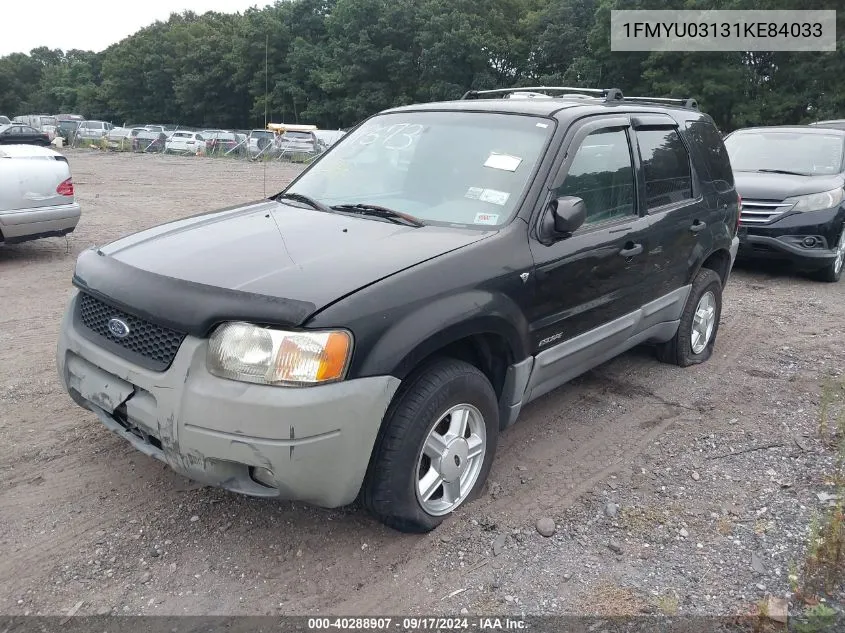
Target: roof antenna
(266, 89)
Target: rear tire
(693, 342)
(436, 448)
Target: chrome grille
(151, 345)
(762, 211)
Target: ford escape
(369, 331)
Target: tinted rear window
(707, 139)
(666, 167)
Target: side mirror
(562, 218)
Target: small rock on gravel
(499, 544)
(567, 577)
(614, 547)
(761, 586)
(778, 609)
(611, 509)
(757, 563)
(145, 578)
(695, 476)
(546, 526)
(464, 611)
(194, 519)
(683, 532)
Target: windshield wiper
(298, 197)
(379, 212)
(783, 171)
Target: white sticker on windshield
(474, 193)
(503, 161)
(486, 218)
(543, 125)
(494, 197)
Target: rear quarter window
(709, 145)
(666, 167)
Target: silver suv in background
(88, 130)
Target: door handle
(697, 226)
(631, 249)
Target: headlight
(817, 201)
(245, 352)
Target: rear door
(672, 199)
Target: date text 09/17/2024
(416, 624)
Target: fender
(429, 327)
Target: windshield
(261, 134)
(48, 120)
(452, 167)
(803, 153)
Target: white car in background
(36, 194)
(185, 143)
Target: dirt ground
(687, 491)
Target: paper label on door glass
(494, 197)
(486, 218)
(503, 162)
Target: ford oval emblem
(118, 328)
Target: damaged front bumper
(310, 444)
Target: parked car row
(276, 141)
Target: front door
(589, 284)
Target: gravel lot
(687, 491)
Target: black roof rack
(687, 103)
(608, 94)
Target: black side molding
(181, 305)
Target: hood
(753, 185)
(281, 251)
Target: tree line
(335, 62)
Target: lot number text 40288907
(416, 624)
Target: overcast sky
(92, 24)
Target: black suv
(371, 329)
(791, 181)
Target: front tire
(693, 342)
(436, 448)
(833, 271)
